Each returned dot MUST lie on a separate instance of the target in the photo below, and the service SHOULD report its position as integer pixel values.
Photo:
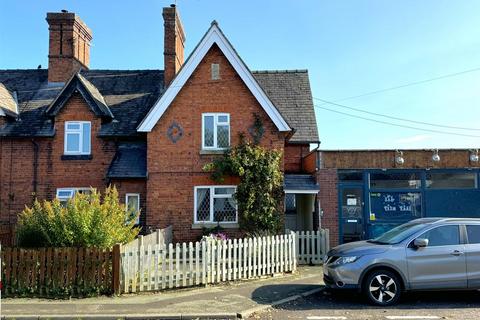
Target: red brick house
(149, 132)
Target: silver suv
(423, 254)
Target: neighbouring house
(149, 132)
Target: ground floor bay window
(215, 205)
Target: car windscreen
(398, 234)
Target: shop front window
(395, 205)
(451, 180)
(395, 180)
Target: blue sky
(349, 47)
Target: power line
(414, 83)
(398, 125)
(394, 118)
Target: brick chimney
(173, 43)
(69, 45)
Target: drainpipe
(35, 167)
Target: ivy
(259, 193)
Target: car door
(472, 253)
(440, 265)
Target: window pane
(223, 136)
(473, 233)
(64, 193)
(73, 126)
(224, 210)
(203, 204)
(442, 236)
(395, 205)
(132, 203)
(290, 205)
(224, 190)
(86, 138)
(395, 180)
(349, 175)
(223, 119)
(208, 131)
(454, 180)
(73, 142)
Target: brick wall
(328, 198)
(294, 154)
(450, 158)
(18, 180)
(175, 168)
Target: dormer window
(77, 137)
(215, 131)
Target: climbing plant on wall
(259, 193)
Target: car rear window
(473, 233)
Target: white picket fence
(158, 266)
(159, 236)
(312, 246)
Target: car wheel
(382, 288)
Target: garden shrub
(87, 220)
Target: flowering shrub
(215, 236)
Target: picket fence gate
(312, 246)
(156, 267)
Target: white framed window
(215, 204)
(64, 194)
(132, 202)
(77, 137)
(215, 131)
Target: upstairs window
(77, 137)
(215, 131)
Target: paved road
(345, 306)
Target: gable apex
(91, 95)
(214, 35)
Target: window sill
(200, 225)
(77, 157)
(213, 151)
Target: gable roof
(290, 91)
(89, 92)
(213, 36)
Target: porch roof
(300, 183)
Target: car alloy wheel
(383, 288)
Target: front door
(351, 213)
(440, 265)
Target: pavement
(226, 301)
(326, 305)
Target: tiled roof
(130, 94)
(290, 92)
(129, 162)
(304, 182)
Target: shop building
(364, 193)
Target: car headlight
(345, 260)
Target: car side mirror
(420, 243)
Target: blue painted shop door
(390, 209)
(351, 213)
